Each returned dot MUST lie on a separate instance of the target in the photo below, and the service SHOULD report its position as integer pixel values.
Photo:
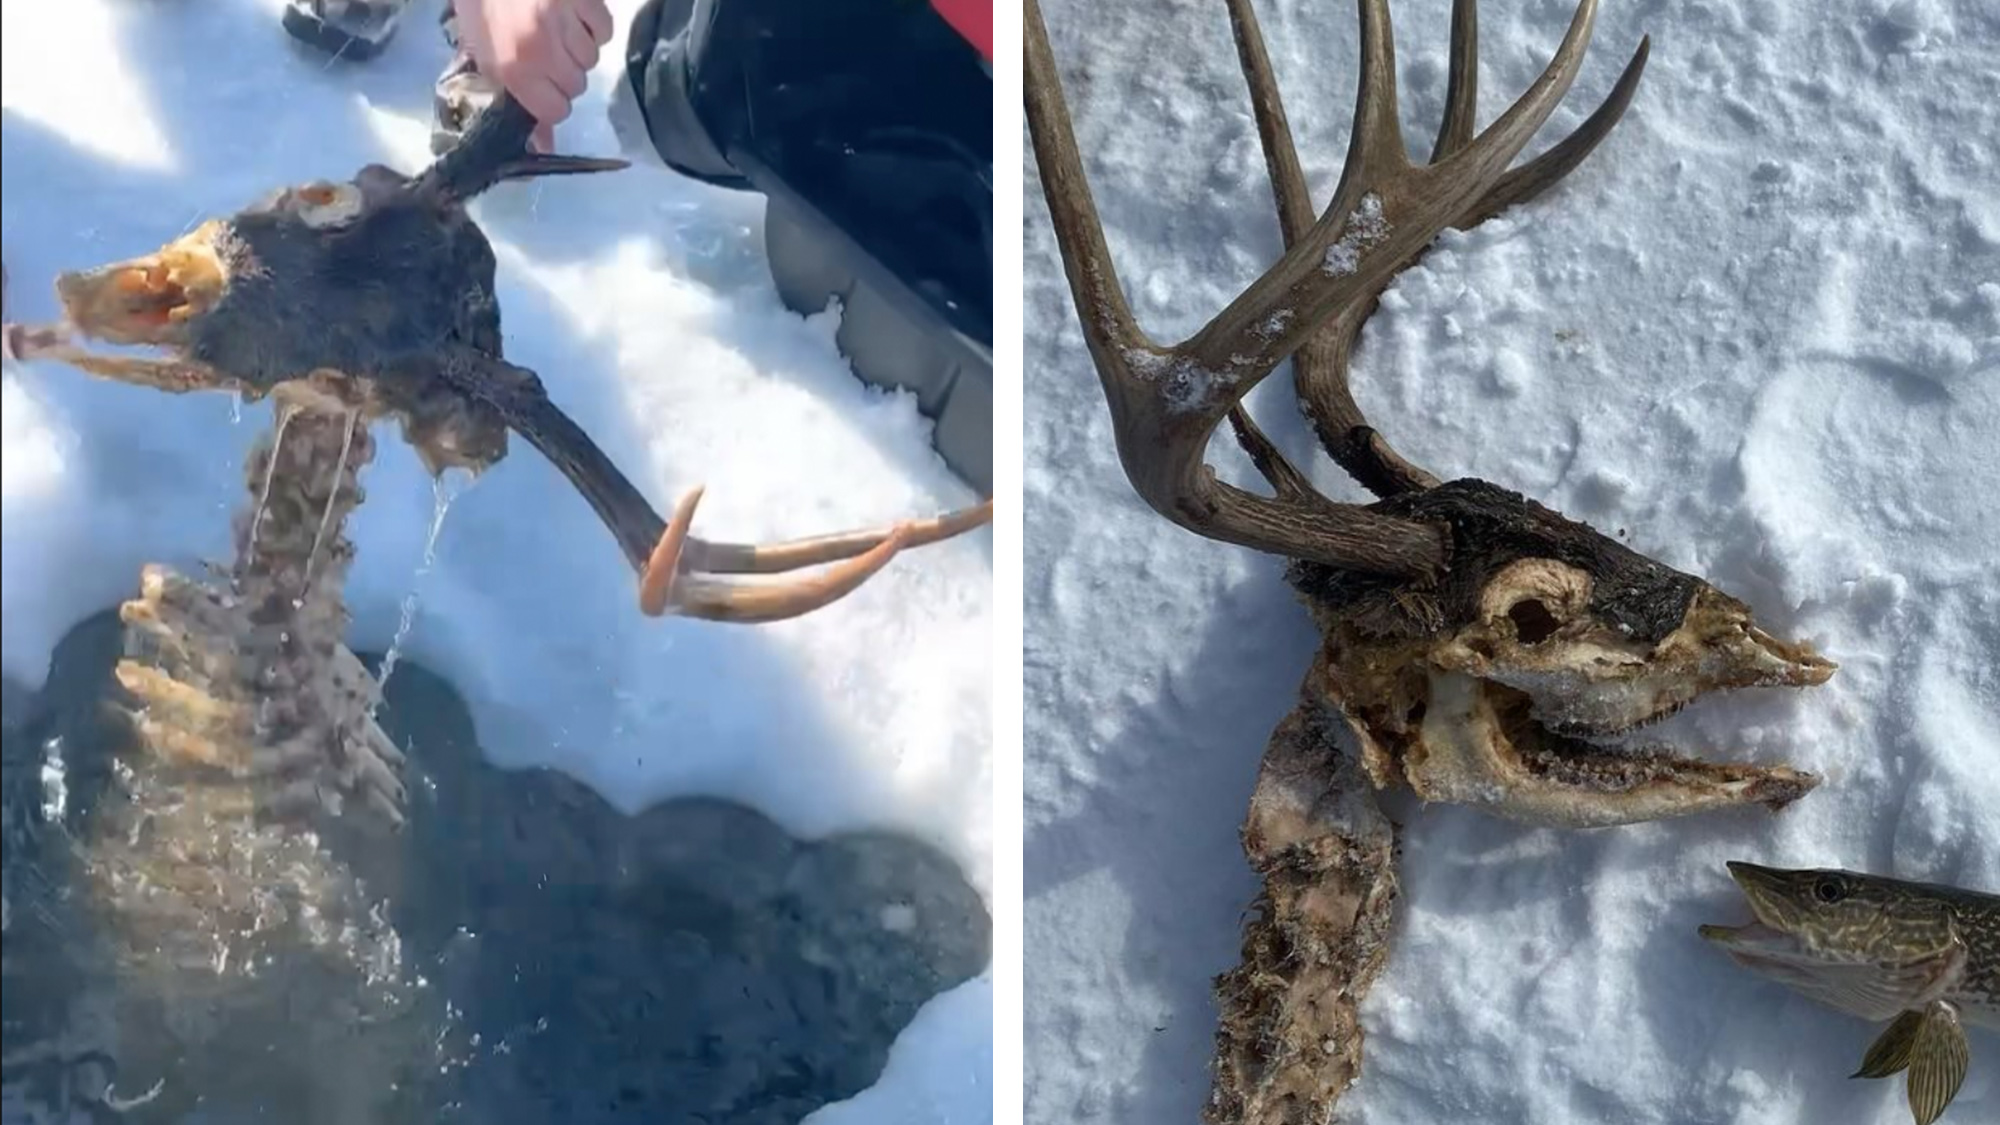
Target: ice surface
(643, 300)
(1756, 335)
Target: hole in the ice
(559, 960)
(1533, 623)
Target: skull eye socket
(1533, 623)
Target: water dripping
(285, 414)
(332, 497)
(442, 494)
(55, 782)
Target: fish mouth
(1771, 952)
(1751, 939)
(1767, 942)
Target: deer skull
(1496, 689)
(375, 298)
(1474, 640)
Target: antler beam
(1166, 402)
(1311, 304)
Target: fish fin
(1939, 1057)
(1891, 1053)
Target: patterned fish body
(1924, 956)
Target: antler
(671, 578)
(1166, 401)
(495, 148)
(671, 562)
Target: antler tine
(1274, 132)
(669, 558)
(1538, 175)
(1319, 367)
(1165, 404)
(1461, 89)
(1384, 212)
(1093, 277)
(1461, 164)
(777, 558)
(1375, 150)
(1487, 157)
(671, 581)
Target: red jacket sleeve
(972, 19)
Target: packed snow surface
(1757, 334)
(644, 301)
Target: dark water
(691, 965)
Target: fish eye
(1829, 891)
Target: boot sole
(356, 44)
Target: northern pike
(1924, 956)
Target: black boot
(868, 124)
(348, 29)
(876, 113)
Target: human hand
(540, 51)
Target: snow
(1187, 386)
(1365, 228)
(1756, 334)
(644, 301)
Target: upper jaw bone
(1730, 651)
(131, 303)
(150, 299)
(1599, 686)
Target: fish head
(1865, 944)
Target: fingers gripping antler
(1165, 402)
